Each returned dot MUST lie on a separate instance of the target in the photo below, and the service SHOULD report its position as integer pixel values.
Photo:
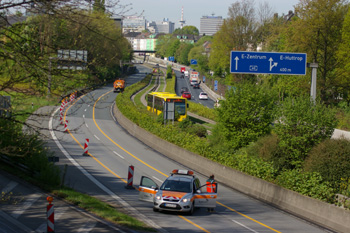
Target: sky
(157, 10)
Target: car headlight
(158, 197)
(185, 200)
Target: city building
(134, 24)
(165, 26)
(209, 25)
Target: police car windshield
(177, 186)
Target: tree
(300, 125)
(342, 80)
(243, 117)
(238, 32)
(317, 31)
(29, 48)
(191, 30)
(99, 6)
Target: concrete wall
(324, 214)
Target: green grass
(24, 105)
(101, 209)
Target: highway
(112, 150)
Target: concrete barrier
(316, 211)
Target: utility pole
(314, 67)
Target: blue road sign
(268, 63)
(203, 79)
(194, 62)
(215, 85)
(171, 58)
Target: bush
(264, 147)
(198, 130)
(307, 183)
(331, 159)
(301, 124)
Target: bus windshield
(180, 108)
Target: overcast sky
(157, 10)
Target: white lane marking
(157, 179)
(85, 110)
(88, 105)
(15, 222)
(9, 187)
(83, 116)
(58, 214)
(244, 226)
(96, 137)
(27, 204)
(87, 227)
(93, 179)
(118, 154)
(86, 125)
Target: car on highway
(203, 96)
(186, 95)
(195, 85)
(184, 89)
(180, 192)
(193, 82)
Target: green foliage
(190, 30)
(307, 183)
(331, 159)
(28, 150)
(244, 116)
(264, 147)
(317, 31)
(300, 125)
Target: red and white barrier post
(130, 177)
(50, 215)
(86, 152)
(66, 126)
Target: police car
(181, 192)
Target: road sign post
(268, 63)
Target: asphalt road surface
(112, 150)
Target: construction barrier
(86, 147)
(50, 215)
(130, 177)
(66, 126)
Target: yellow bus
(156, 101)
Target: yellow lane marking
(187, 220)
(88, 152)
(247, 217)
(93, 117)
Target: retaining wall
(316, 211)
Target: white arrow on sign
(236, 59)
(272, 65)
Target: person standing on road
(211, 188)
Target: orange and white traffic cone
(86, 152)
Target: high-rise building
(165, 26)
(209, 25)
(134, 24)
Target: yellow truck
(119, 85)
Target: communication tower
(182, 21)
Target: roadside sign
(268, 63)
(203, 79)
(215, 85)
(171, 59)
(194, 62)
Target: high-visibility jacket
(211, 187)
